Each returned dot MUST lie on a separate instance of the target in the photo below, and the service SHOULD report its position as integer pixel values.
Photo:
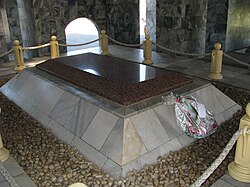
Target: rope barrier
(74, 45)
(236, 60)
(181, 53)
(6, 53)
(219, 160)
(36, 47)
(123, 44)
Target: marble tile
(133, 146)
(150, 129)
(236, 108)
(64, 107)
(230, 180)
(13, 168)
(166, 115)
(133, 165)
(225, 100)
(37, 92)
(39, 116)
(18, 81)
(221, 183)
(9, 94)
(24, 181)
(227, 114)
(151, 157)
(49, 98)
(185, 140)
(100, 128)
(30, 84)
(112, 168)
(24, 104)
(207, 97)
(89, 152)
(60, 132)
(81, 117)
(112, 147)
(2, 178)
(220, 119)
(4, 184)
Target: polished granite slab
(119, 80)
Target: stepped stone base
(116, 138)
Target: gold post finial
(53, 38)
(16, 43)
(217, 46)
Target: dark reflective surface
(119, 80)
(115, 69)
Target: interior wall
(238, 25)
(181, 24)
(13, 19)
(4, 32)
(27, 26)
(216, 23)
(52, 17)
(3, 47)
(123, 20)
(151, 19)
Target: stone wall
(181, 24)
(151, 19)
(27, 26)
(52, 17)
(13, 19)
(3, 47)
(4, 32)
(123, 20)
(216, 23)
(238, 25)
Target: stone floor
(235, 76)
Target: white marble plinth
(114, 142)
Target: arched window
(81, 30)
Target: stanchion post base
(107, 53)
(19, 68)
(238, 172)
(147, 61)
(78, 185)
(215, 76)
(4, 154)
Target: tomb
(111, 109)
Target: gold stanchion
(147, 53)
(18, 54)
(240, 167)
(216, 63)
(104, 43)
(54, 48)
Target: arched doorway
(81, 30)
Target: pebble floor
(50, 162)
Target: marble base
(116, 141)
